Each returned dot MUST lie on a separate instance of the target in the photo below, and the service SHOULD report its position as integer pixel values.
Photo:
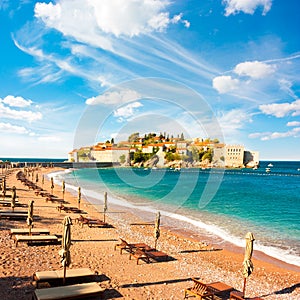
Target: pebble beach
(121, 277)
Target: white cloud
(224, 84)
(266, 136)
(293, 124)
(178, 18)
(254, 69)
(115, 97)
(97, 18)
(128, 110)
(9, 128)
(246, 6)
(8, 113)
(16, 101)
(281, 110)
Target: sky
(77, 72)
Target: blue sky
(226, 65)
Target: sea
(222, 204)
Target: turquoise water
(226, 203)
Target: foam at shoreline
(213, 232)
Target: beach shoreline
(176, 221)
(192, 258)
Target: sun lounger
(8, 204)
(68, 209)
(90, 222)
(147, 254)
(130, 247)
(25, 231)
(35, 239)
(199, 290)
(13, 215)
(139, 255)
(237, 295)
(157, 255)
(76, 291)
(219, 288)
(55, 277)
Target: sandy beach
(121, 277)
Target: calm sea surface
(224, 203)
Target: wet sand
(123, 278)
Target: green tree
(208, 155)
(195, 154)
(122, 158)
(133, 137)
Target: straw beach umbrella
(13, 198)
(63, 188)
(30, 215)
(3, 186)
(66, 244)
(79, 196)
(156, 228)
(247, 263)
(104, 205)
(52, 185)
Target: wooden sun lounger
(68, 209)
(35, 239)
(139, 255)
(237, 295)
(13, 215)
(157, 255)
(8, 203)
(25, 231)
(199, 290)
(130, 247)
(53, 277)
(76, 291)
(147, 254)
(90, 222)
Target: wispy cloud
(266, 136)
(115, 97)
(8, 113)
(49, 138)
(10, 128)
(232, 121)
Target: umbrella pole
(244, 287)
(64, 278)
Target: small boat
(270, 165)
(255, 168)
(268, 170)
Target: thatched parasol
(104, 205)
(156, 228)
(30, 215)
(13, 198)
(247, 263)
(66, 244)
